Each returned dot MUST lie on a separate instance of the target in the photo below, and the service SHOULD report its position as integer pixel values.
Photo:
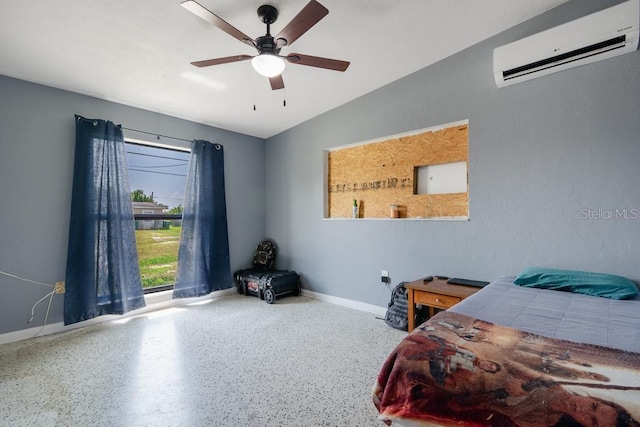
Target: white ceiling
(138, 52)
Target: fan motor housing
(266, 44)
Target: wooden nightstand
(435, 294)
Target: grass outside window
(158, 256)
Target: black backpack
(265, 255)
(398, 310)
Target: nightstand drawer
(435, 300)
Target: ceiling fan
(268, 62)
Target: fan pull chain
(284, 101)
(254, 90)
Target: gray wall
(37, 139)
(540, 153)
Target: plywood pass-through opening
(385, 177)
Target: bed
(518, 356)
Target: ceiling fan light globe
(268, 65)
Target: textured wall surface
(553, 174)
(37, 140)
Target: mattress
(514, 356)
(561, 315)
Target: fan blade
(204, 13)
(316, 61)
(309, 16)
(218, 61)
(276, 82)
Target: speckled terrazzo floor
(233, 361)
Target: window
(157, 179)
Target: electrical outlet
(59, 288)
(384, 276)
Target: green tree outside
(139, 196)
(177, 210)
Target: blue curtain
(103, 276)
(203, 256)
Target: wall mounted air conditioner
(601, 35)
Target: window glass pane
(157, 178)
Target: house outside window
(150, 208)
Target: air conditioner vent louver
(605, 34)
(574, 55)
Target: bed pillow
(580, 282)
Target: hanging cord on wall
(27, 280)
(50, 295)
(33, 309)
(46, 316)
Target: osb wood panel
(381, 174)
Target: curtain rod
(95, 122)
(158, 135)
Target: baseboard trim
(356, 305)
(155, 301)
